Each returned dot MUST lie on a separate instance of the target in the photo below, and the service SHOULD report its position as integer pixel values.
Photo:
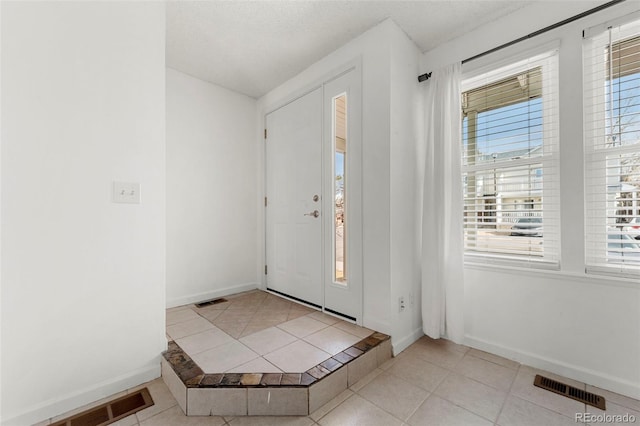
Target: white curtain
(442, 233)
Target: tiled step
(269, 394)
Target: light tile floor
(257, 332)
(433, 382)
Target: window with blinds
(612, 149)
(509, 164)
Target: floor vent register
(570, 391)
(210, 302)
(111, 411)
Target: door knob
(314, 213)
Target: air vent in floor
(570, 391)
(111, 411)
(211, 302)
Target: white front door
(294, 206)
(314, 197)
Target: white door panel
(294, 176)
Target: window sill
(588, 278)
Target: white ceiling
(254, 46)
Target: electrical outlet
(401, 304)
(126, 192)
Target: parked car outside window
(633, 228)
(527, 227)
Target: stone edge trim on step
(193, 377)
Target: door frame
(356, 254)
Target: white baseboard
(585, 375)
(220, 292)
(403, 343)
(56, 406)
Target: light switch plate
(126, 192)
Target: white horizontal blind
(510, 165)
(612, 150)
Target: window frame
(595, 152)
(547, 58)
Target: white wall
(83, 279)
(586, 328)
(405, 162)
(211, 190)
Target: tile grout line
(393, 415)
(289, 309)
(542, 406)
(327, 413)
(494, 363)
(504, 403)
(430, 363)
(458, 405)
(418, 407)
(482, 383)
